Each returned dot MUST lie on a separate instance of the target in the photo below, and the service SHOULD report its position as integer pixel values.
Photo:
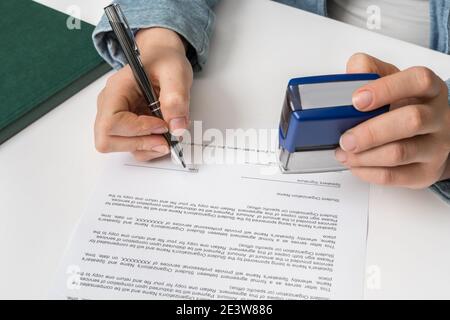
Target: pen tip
(183, 164)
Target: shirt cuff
(193, 20)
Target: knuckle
(353, 160)
(102, 144)
(416, 119)
(386, 177)
(144, 125)
(140, 144)
(103, 126)
(426, 80)
(142, 128)
(370, 135)
(111, 80)
(174, 100)
(358, 59)
(399, 153)
(386, 87)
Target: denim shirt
(194, 20)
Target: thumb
(364, 63)
(174, 98)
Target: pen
(125, 37)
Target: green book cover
(43, 62)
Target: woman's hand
(123, 121)
(409, 145)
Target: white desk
(48, 170)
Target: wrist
(159, 38)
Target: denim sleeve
(192, 19)
(442, 188)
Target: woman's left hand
(409, 145)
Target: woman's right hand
(123, 122)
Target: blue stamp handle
(303, 129)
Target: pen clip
(127, 27)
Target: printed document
(155, 231)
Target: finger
(119, 96)
(128, 124)
(155, 143)
(412, 83)
(405, 102)
(146, 155)
(364, 63)
(413, 150)
(395, 125)
(120, 93)
(175, 84)
(412, 175)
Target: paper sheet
(153, 231)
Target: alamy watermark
(229, 146)
(374, 17)
(373, 277)
(73, 22)
(73, 281)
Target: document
(155, 231)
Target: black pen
(121, 29)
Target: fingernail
(177, 125)
(348, 142)
(160, 130)
(340, 155)
(362, 100)
(163, 149)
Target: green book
(43, 62)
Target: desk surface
(49, 170)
